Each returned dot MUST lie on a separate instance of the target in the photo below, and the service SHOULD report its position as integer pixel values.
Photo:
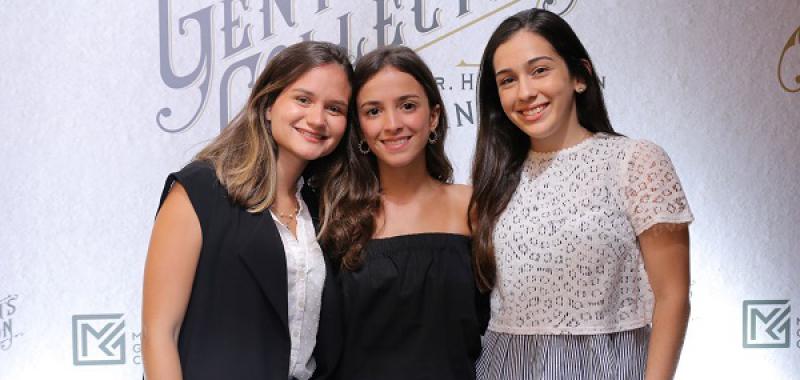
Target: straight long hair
(501, 146)
(244, 155)
(351, 191)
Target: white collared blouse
(305, 276)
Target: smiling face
(395, 117)
(537, 91)
(309, 116)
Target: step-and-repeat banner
(102, 99)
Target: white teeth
(397, 142)
(534, 110)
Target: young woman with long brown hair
(235, 284)
(580, 233)
(399, 229)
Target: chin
(538, 132)
(311, 154)
(394, 162)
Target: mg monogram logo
(766, 324)
(98, 339)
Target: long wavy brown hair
(244, 155)
(501, 147)
(351, 191)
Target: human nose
(526, 89)
(393, 122)
(315, 118)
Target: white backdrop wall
(85, 152)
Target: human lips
(396, 143)
(311, 135)
(533, 112)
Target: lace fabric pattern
(568, 259)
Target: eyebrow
(530, 62)
(302, 90)
(400, 98)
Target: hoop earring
(433, 137)
(363, 147)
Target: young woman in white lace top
(580, 234)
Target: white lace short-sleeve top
(568, 259)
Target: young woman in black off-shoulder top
(398, 227)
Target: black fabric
(235, 325)
(411, 310)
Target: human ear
(580, 80)
(434, 119)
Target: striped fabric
(616, 356)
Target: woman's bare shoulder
(459, 194)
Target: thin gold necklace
(288, 217)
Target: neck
(400, 184)
(289, 170)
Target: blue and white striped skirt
(616, 356)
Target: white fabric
(568, 259)
(305, 275)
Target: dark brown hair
(244, 155)
(351, 191)
(501, 146)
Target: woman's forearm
(160, 356)
(670, 318)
